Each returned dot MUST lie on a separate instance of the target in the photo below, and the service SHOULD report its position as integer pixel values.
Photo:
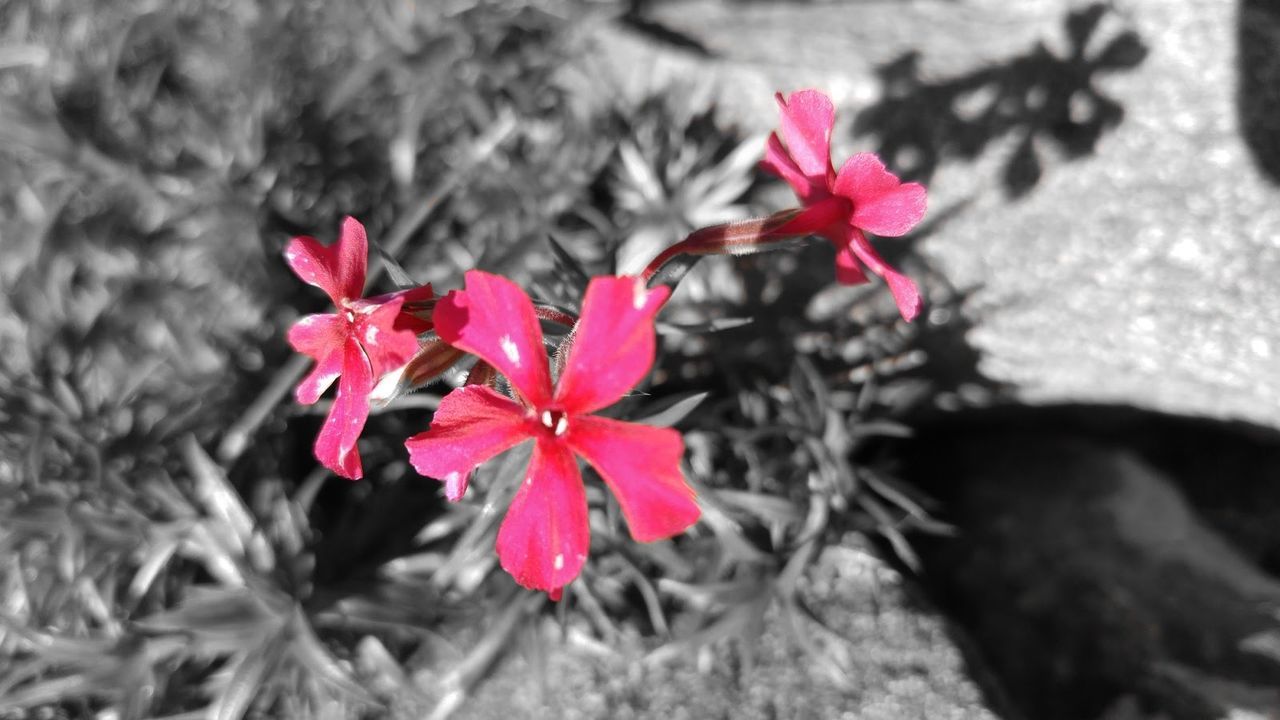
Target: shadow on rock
(1258, 89)
(1108, 562)
(1039, 94)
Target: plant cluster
(512, 394)
(172, 550)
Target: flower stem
(555, 315)
(745, 237)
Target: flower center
(346, 309)
(557, 421)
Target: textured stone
(1141, 273)
(897, 662)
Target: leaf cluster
(157, 160)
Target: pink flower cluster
(544, 539)
(365, 339)
(843, 206)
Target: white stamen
(546, 419)
(562, 424)
(509, 347)
(559, 561)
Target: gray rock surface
(895, 662)
(1143, 273)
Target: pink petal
(386, 346)
(322, 338)
(319, 379)
(414, 299)
(545, 536)
(807, 119)
(336, 444)
(353, 257)
(864, 177)
(338, 269)
(317, 336)
(472, 424)
(905, 292)
(613, 344)
(777, 161)
(422, 293)
(455, 486)
(893, 214)
(848, 269)
(493, 318)
(882, 205)
(641, 465)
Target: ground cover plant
(176, 541)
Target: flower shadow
(1038, 95)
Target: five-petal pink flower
(544, 538)
(863, 197)
(365, 339)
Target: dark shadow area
(1258, 88)
(636, 18)
(1108, 562)
(920, 123)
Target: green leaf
(768, 508)
(399, 276)
(716, 325)
(743, 621)
(215, 493)
(156, 558)
(246, 679)
(567, 266)
(669, 411)
(308, 651)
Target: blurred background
(1054, 495)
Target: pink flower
(360, 343)
(842, 206)
(544, 538)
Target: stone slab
(895, 661)
(1145, 273)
